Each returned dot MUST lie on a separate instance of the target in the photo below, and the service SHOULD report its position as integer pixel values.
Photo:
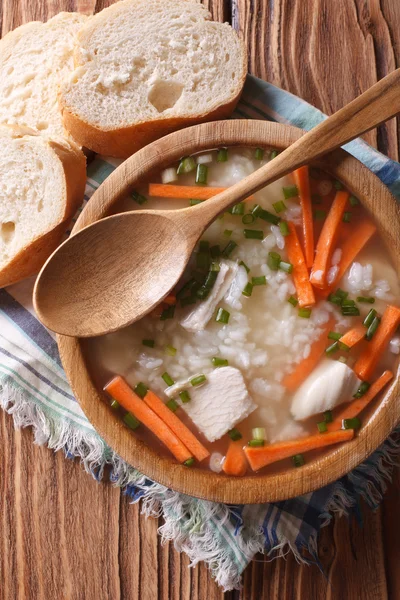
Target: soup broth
(246, 352)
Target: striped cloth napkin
(34, 389)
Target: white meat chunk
(330, 384)
(220, 403)
(198, 318)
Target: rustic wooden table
(64, 536)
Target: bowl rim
(204, 484)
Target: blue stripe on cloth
(29, 325)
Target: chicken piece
(219, 404)
(330, 384)
(198, 318)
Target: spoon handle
(378, 104)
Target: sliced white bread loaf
(42, 183)
(147, 67)
(34, 58)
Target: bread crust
(31, 258)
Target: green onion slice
(201, 174)
(168, 379)
(354, 201)
(328, 417)
(222, 155)
(260, 280)
(189, 462)
(259, 154)
(279, 206)
(229, 248)
(286, 266)
(353, 423)
(186, 165)
(234, 434)
(363, 389)
(332, 348)
(114, 405)
(366, 299)
(319, 215)
(322, 428)
(248, 219)
(274, 154)
(219, 362)
(238, 209)
(304, 313)
(298, 460)
(372, 328)
(273, 260)
(265, 215)
(139, 198)
(198, 380)
(284, 228)
(293, 301)
(247, 290)
(194, 201)
(338, 185)
(215, 251)
(255, 443)
(290, 191)
(347, 217)
(131, 421)
(253, 234)
(184, 396)
(170, 350)
(259, 433)
(148, 343)
(222, 316)
(370, 317)
(172, 405)
(243, 264)
(141, 390)
(168, 313)
(334, 335)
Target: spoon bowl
(129, 246)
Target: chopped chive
(141, 390)
(316, 199)
(189, 300)
(131, 421)
(343, 346)
(184, 396)
(186, 165)
(259, 433)
(319, 215)
(279, 206)
(222, 316)
(170, 350)
(304, 313)
(202, 260)
(228, 232)
(342, 294)
(362, 389)
(215, 251)
(148, 343)
(274, 154)
(229, 248)
(201, 174)
(204, 246)
(354, 201)
(366, 299)
(168, 379)
(334, 335)
(194, 201)
(372, 328)
(273, 260)
(350, 311)
(332, 348)
(172, 405)
(222, 155)
(335, 299)
(353, 423)
(255, 443)
(347, 217)
(293, 301)
(337, 185)
(248, 219)
(238, 209)
(198, 380)
(210, 280)
(247, 290)
(234, 434)
(285, 266)
(219, 362)
(260, 280)
(265, 215)
(322, 428)
(168, 313)
(259, 154)
(290, 191)
(243, 264)
(328, 417)
(348, 302)
(189, 462)
(342, 359)
(284, 228)
(139, 198)
(114, 405)
(298, 460)
(215, 268)
(253, 234)
(370, 317)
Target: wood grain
(73, 503)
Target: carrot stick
(303, 184)
(354, 408)
(305, 292)
(302, 370)
(235, 460)
(361, 233)
(185, 191)
(176, 425)
(366, 363)
(120, 391)
(327, 241)
(265, 455)
(353, 336)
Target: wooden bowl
(269, 487)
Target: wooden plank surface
(64, 536)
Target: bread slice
(42, 183)
(34, 58)
(147, 67)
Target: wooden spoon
(118, 269)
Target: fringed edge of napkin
(189, 523)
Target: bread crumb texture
(144, 60)
(34, 59)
